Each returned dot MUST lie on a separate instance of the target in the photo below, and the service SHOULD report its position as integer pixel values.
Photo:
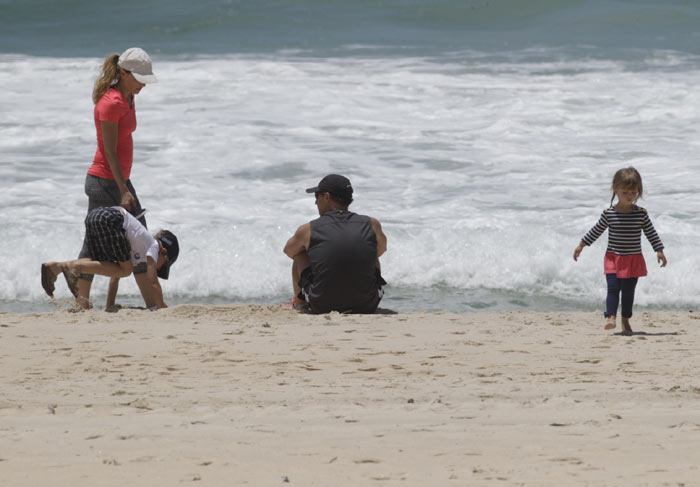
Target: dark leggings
(615, 288)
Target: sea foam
(485, 171)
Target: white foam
(484, 174)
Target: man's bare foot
(626, 328)
(611, 324)
(300, 305)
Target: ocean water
(483, 135)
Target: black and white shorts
(105, 235)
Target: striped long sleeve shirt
(625, 231)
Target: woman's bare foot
(610, 324)
(626, 328)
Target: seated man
(336, 257)
(117, 242)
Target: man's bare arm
(299, 242)
(381, 238)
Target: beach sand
(263, 396)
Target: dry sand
(262, 396)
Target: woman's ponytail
(108, 77)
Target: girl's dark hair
(627, 178)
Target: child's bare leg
(74, 267)
(77, 267)
(82, 300)
(610, 323)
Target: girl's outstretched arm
(578, 249)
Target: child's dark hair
(627, 178)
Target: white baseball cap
(138, 62)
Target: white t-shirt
(143, 245)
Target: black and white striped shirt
(625, 231)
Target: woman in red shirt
(107, 182)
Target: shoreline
(401, 300)
(255, 394)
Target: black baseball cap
(169, 242)
(334, 184)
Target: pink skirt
(625, 266)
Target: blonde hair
(627, 178)
(108, 77)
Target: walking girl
(624, 263)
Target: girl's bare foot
(610, 323)
(626, 328)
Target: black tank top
(343, 255)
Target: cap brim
(164, 271)
(145, 78)
(312, 190)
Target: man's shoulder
(304, 227)
(348, 216)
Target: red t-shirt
(113, 107)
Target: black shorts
(306, 280)
(105, 235)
